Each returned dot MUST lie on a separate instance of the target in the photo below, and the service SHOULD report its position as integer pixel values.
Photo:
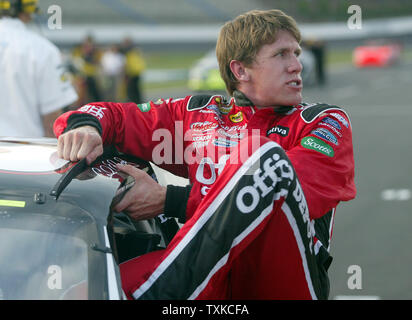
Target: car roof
(30, 169)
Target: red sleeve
(145, 130)
(323, 159)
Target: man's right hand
(79, 143)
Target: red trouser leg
(272, 266)
(250, 238)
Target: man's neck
(243, 101)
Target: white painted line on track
(356, 297)
(396, 194)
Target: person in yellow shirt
(86, 58)
(134, 67)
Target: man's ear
(239, 70)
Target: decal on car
(12, 203)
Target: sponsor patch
(341, 119)
(326, 135)
(280, 130)
(202, 138)
(332, 122)
(203, 126)
(233, 128)
(212, 108)
(234, 135)
(332, 128)
(96, 111)
(219, 142)
(225, 109)
(238, 117)
(317, 145)
(144, 107)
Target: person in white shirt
(33, 85)
(113, 63)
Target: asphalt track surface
(374, 230)
(372, 236)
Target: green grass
(338, 57)
(164, 85)
(407, 54)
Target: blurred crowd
(111, 73)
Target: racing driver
(266, 173)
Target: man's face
(275, 73)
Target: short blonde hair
(242, 38)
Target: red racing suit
(251, 233)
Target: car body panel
(66, 246)
(376, 55)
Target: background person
(133, 70)
(86, 59)
(112, 63)
(33, 86)
(318, 48)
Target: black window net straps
(67, 177)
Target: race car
(204, 76)
(376, 54)
(59, 237)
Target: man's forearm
(176, 202)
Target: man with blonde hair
(267, 174)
